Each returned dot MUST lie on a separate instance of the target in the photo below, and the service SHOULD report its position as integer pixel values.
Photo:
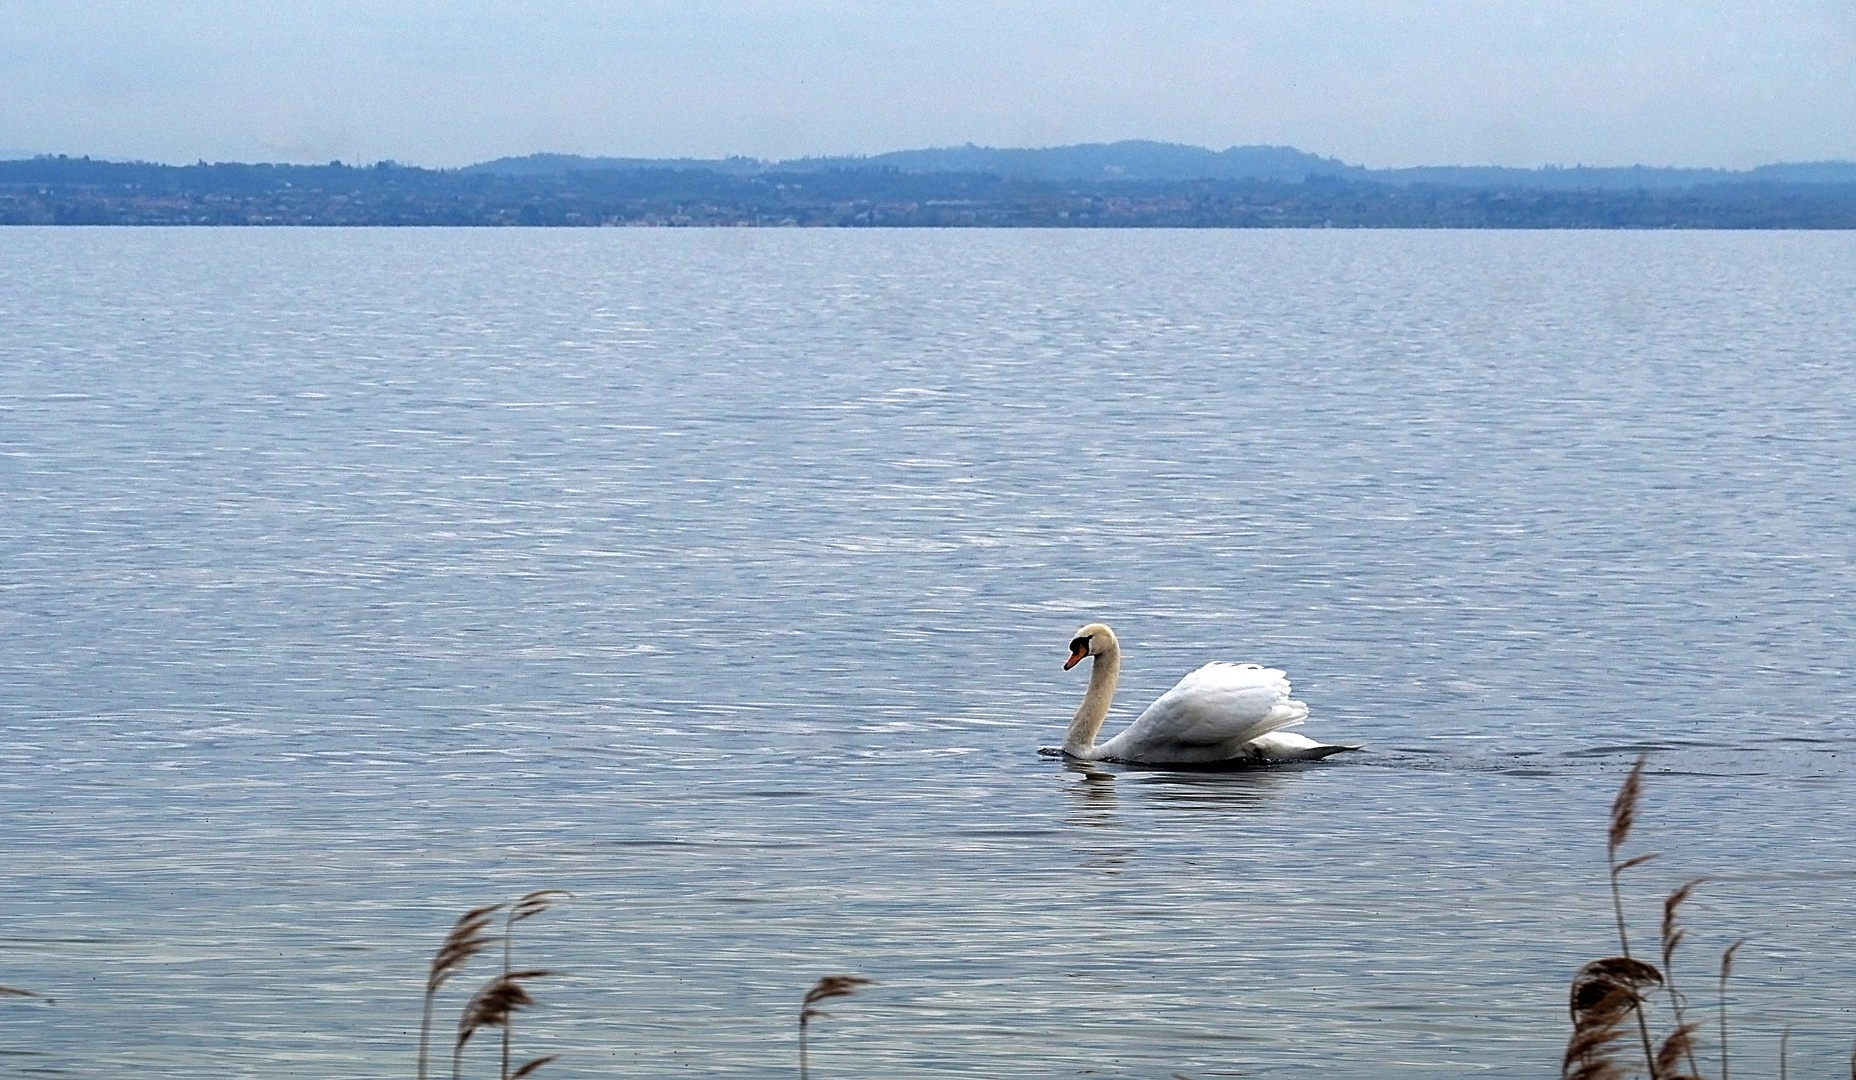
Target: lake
(351, 579)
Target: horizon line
(13, 154)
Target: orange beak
(1076, 657)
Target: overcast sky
(1374, 82)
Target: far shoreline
(61, 191)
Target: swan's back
(1209, 716)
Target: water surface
(350, 579)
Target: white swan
(1219, 714)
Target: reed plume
(1604, 994)
(1727, 970)
(831, 986)
(1678, 1046)
(1623, 816)
(526, 906)
(465, 940)
(493, 1005)
(1672, 935)
(532, 1066)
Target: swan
(1221, 714)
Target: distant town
(1131, 184)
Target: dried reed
(1623, 816)
(1605, 992)
(831, 986)
(1672, 934)
(527, 906)
(465, 940)
(1678, 1046)
(532, 1066)
(1727, 969)
(494, 1005)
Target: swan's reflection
(1095, 790)
(1094, 794)
(1092, 805)
(1247, 789)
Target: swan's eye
(1080, 644)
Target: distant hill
(1628, 178)
(563, 164)
(1134, 159)
(1142, 160)
(1130, 160)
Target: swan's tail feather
(1287, 713)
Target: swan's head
(1092, 640)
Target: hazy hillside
(1141, 160)
(562, 164)
(1131, 160)
(1580, 178)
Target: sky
(1372, 82)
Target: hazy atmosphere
(1386, 83)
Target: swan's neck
(1104, 672)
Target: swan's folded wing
(1219, 705)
